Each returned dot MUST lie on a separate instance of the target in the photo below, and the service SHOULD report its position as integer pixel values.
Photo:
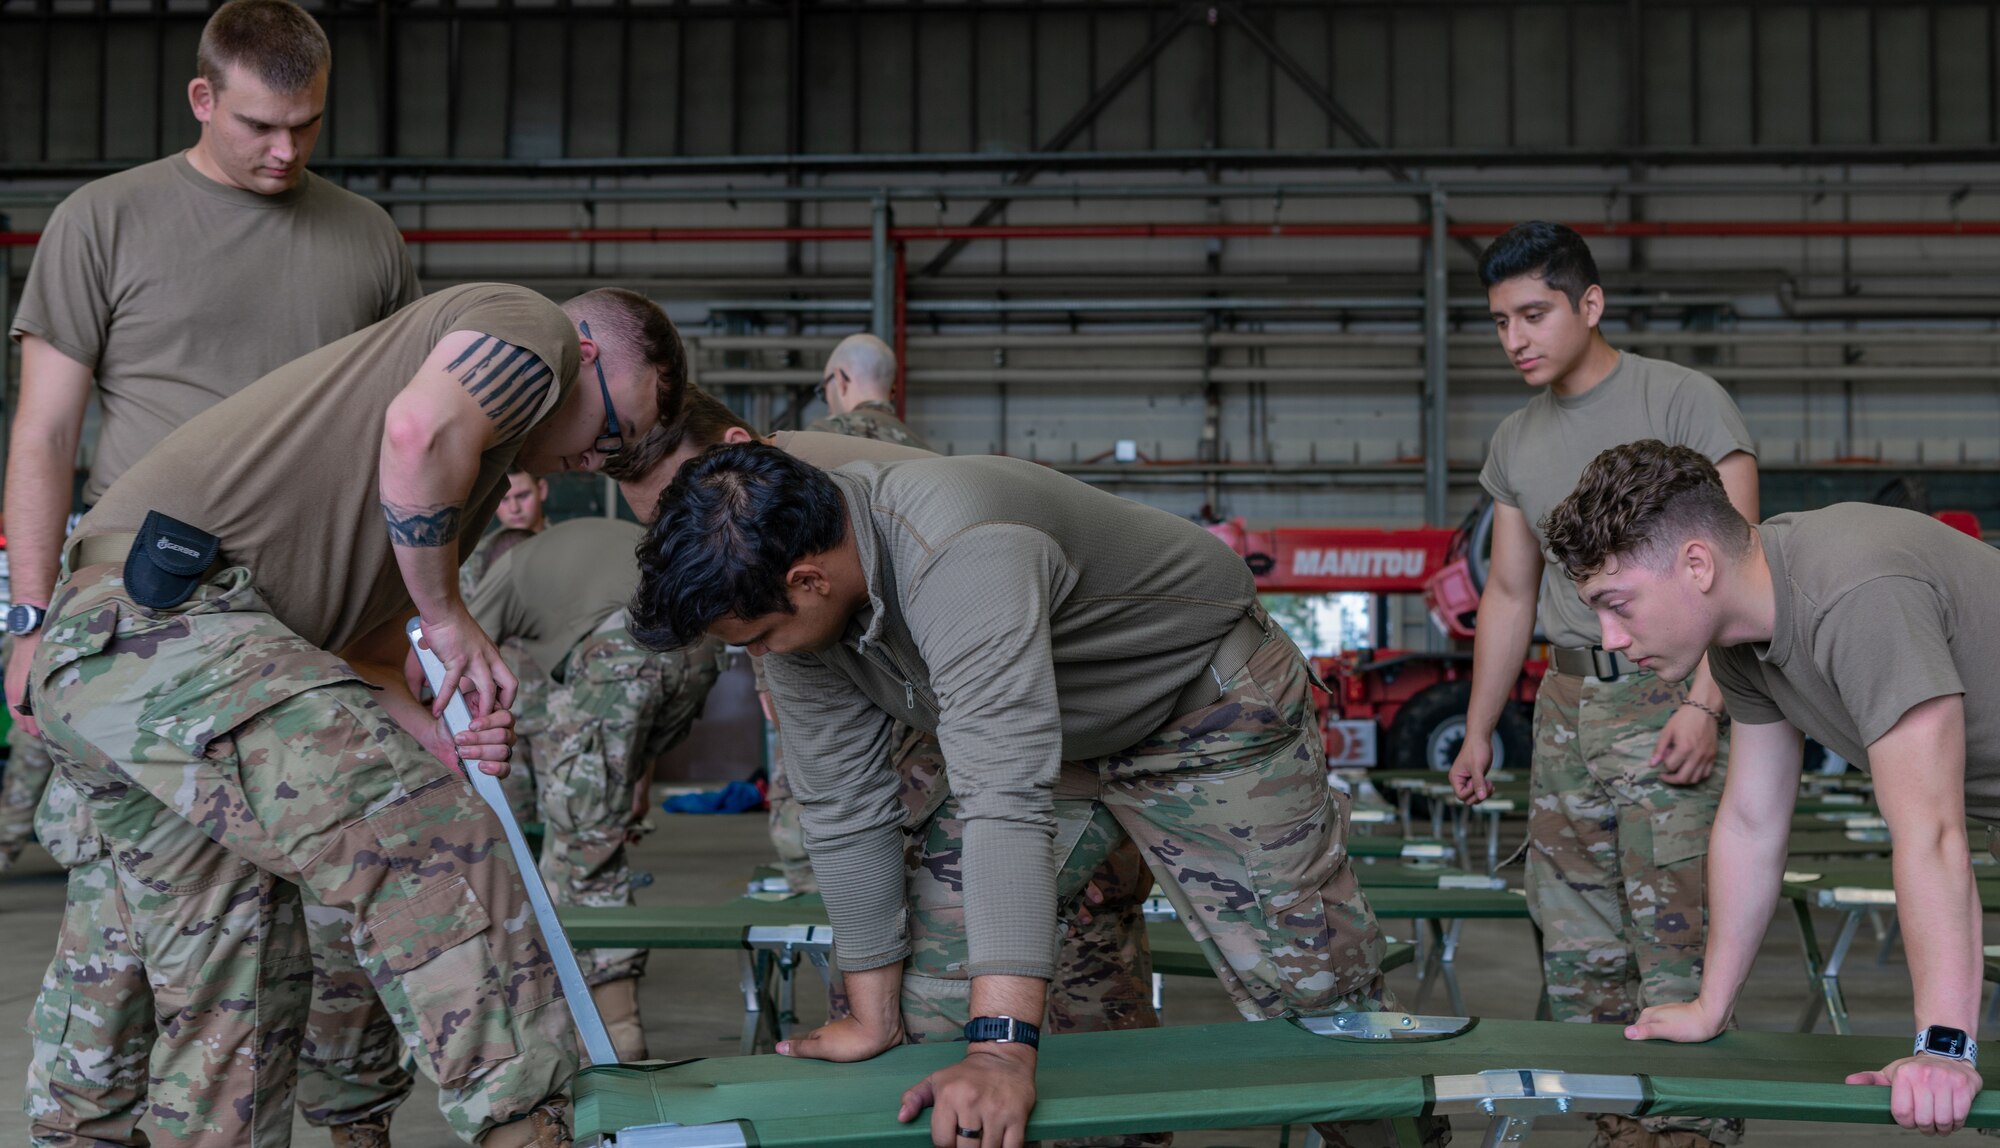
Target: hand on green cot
(1688, 1023)
(1928, 1093)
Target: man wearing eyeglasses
(221, 677)
(859, 386)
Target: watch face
(20, 619)
(1944, 1041)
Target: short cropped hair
(870, 361)
(1551, 252)
(704, 420)
(630, 320)
(732, 524)
(1641, 501)
(275, 40)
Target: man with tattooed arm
(221, 672)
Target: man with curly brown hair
(1869, 628)
(1624, 780)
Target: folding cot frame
(1512, 1097)
(1364, 1066)
(778, 937)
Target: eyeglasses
(612, 440)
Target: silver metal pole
(1436, 315)
(882, 321)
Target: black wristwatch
(1002, 1030)
(1949, 1043)
(23, 619)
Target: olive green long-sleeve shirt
(1026, 619)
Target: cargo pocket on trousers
(434, 948)
(1680, 820)
(1323, 942)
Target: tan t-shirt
(1540, 451)
(178, 292)
(552, 590)
(827, 450)
(285, 473)
(1879, 610)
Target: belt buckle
(1605, 663)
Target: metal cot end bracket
(1386, 1026)
(728, 1135)
(1515, 1098)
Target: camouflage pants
(531, 708)
(619, 708)
(1230, 809)
(97, 1005)
(1617, 858)
(28, 770)
(788, 834)
(232, 766)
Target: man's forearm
(1504, 626)
(1023, 998)
(41, 473)
(1938, 905)
(1745, 870)
(875, 998)
(424, 489)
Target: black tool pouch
(168, 561)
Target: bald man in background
(859, 386)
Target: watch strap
(1969, 1055)
(1002, 1030)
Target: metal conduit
(1353, 376)
(1010, 340)
(1199, 303)
(941, 193)
(1630, 229)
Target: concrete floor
(691, 1007)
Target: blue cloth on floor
(736, 797)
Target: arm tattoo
(425, 526)
(510, 382)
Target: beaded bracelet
(1711, 711)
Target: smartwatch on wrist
(1002, 1030)
(23, 619)
(1949, 1043)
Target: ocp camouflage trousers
(226, 760)
(97, 994)
(28, 770)
(620, 708)
(1230, 810)
(1618, 858)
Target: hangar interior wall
(1275, 377)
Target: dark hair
(1638, 500)
(703, 421)
(630, 320)
(1549, 251)
(731, 524)
(276, 40)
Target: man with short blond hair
(164, 290)
(1871, 629)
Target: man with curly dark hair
(1872, 629)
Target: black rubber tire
(1430, 728)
